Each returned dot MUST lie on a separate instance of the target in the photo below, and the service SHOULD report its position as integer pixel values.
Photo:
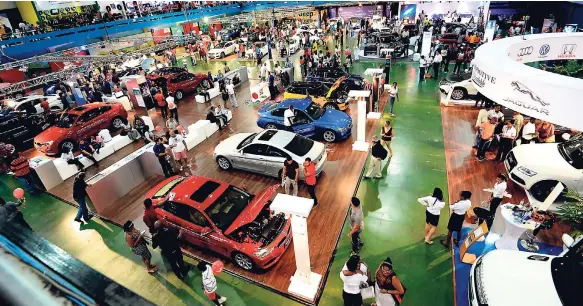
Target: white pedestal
(304, 289)
(373, 115)
(360, 146)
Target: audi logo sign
(524, 51)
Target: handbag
(367, 292)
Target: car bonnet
(253, 209)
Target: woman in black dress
(387, 135)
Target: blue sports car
(310, 119)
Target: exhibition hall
(270, 153)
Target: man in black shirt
(169, 243)
(79, 194)
(9, 213)
(290, 176)
(88, 150)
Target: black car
(326, 97)
(20, 128)
(329, 76)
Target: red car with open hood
(224, 219)
(80, 123)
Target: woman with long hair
(387, 134)
(388, 287)
(434, 205)
(139, 246)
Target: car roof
(300, 104)
(83, 108)
(274, 138)
(192, 184)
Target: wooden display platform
(335, 187)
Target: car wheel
(222, 54)
(329, 136)
(458, 94)
(271, 126)
(117, 122)
(541, 190)
(243, 261)
(331, 106)
(224, 163)
(179, 95)
(67, 145)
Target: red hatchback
(80, 123)
(224, 219)
(179, 84)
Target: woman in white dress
(387, 284)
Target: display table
(46, 171)
(512, 228)
(120, 178)
(260, 92)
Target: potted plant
(571, 213)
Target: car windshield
(220, 46)
(247, 140)
(322, 91)
(167, 188)
(567, 278)
(300, 145)
(314, 111)
(66, 121)
(572, 151)
(228, 207)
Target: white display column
(361, 95)
(376, 74)
(304, 282)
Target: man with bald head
(169, 243)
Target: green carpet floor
(394, 220)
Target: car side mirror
(205, 231)
(568, 240)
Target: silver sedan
(265, 152)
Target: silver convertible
(265, 152)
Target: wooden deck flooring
(335, 187)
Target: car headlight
(47, 143)
(342, 129)
(526, 171)
(263, 252)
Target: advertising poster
(365, 11)
(426, 44)
(548, 25)
(490, 30)
(139, 98)
(408, 11)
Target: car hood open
(253, 209)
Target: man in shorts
(209, 283)
(176, 142)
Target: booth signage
(500, 74)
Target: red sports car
(80, 123)
(224, 219)
(178, 83)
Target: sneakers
(222, 299)
(79, 220)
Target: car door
(88, 123)
(229, 48)
(106, 116)
(188, 219)
(252, 158)
(303, 124)
(188, 82)
(274, 160)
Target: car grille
(511, 159)
(517, 179)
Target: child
(209, 283)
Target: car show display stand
(120, 178)
(304, 282)
(259, 93)
(361, 95)
(46, 171)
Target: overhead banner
(499, 73)
(365, 11)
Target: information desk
(46, 171)
(120, 178)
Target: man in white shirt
(231, 91)
(495, 199)
(176, 142)
(263, 72)
(288, 117)
(529, 131)
(483, 115)
(422, 66)
(209, 283)
(496, 113)
(506, 141)
(436, 63)
(456, 219)
(172, 107)
(443, 29)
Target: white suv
(516, 278)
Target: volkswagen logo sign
(544, 49)
(524, 51)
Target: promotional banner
(139, 98)
(408, 11)
(365, 11)
(426, 44)
(490, 30)
(500, 74)
(547, 25)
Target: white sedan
(539, 167)
(21, 104)
(223, 49)
(265, 152)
